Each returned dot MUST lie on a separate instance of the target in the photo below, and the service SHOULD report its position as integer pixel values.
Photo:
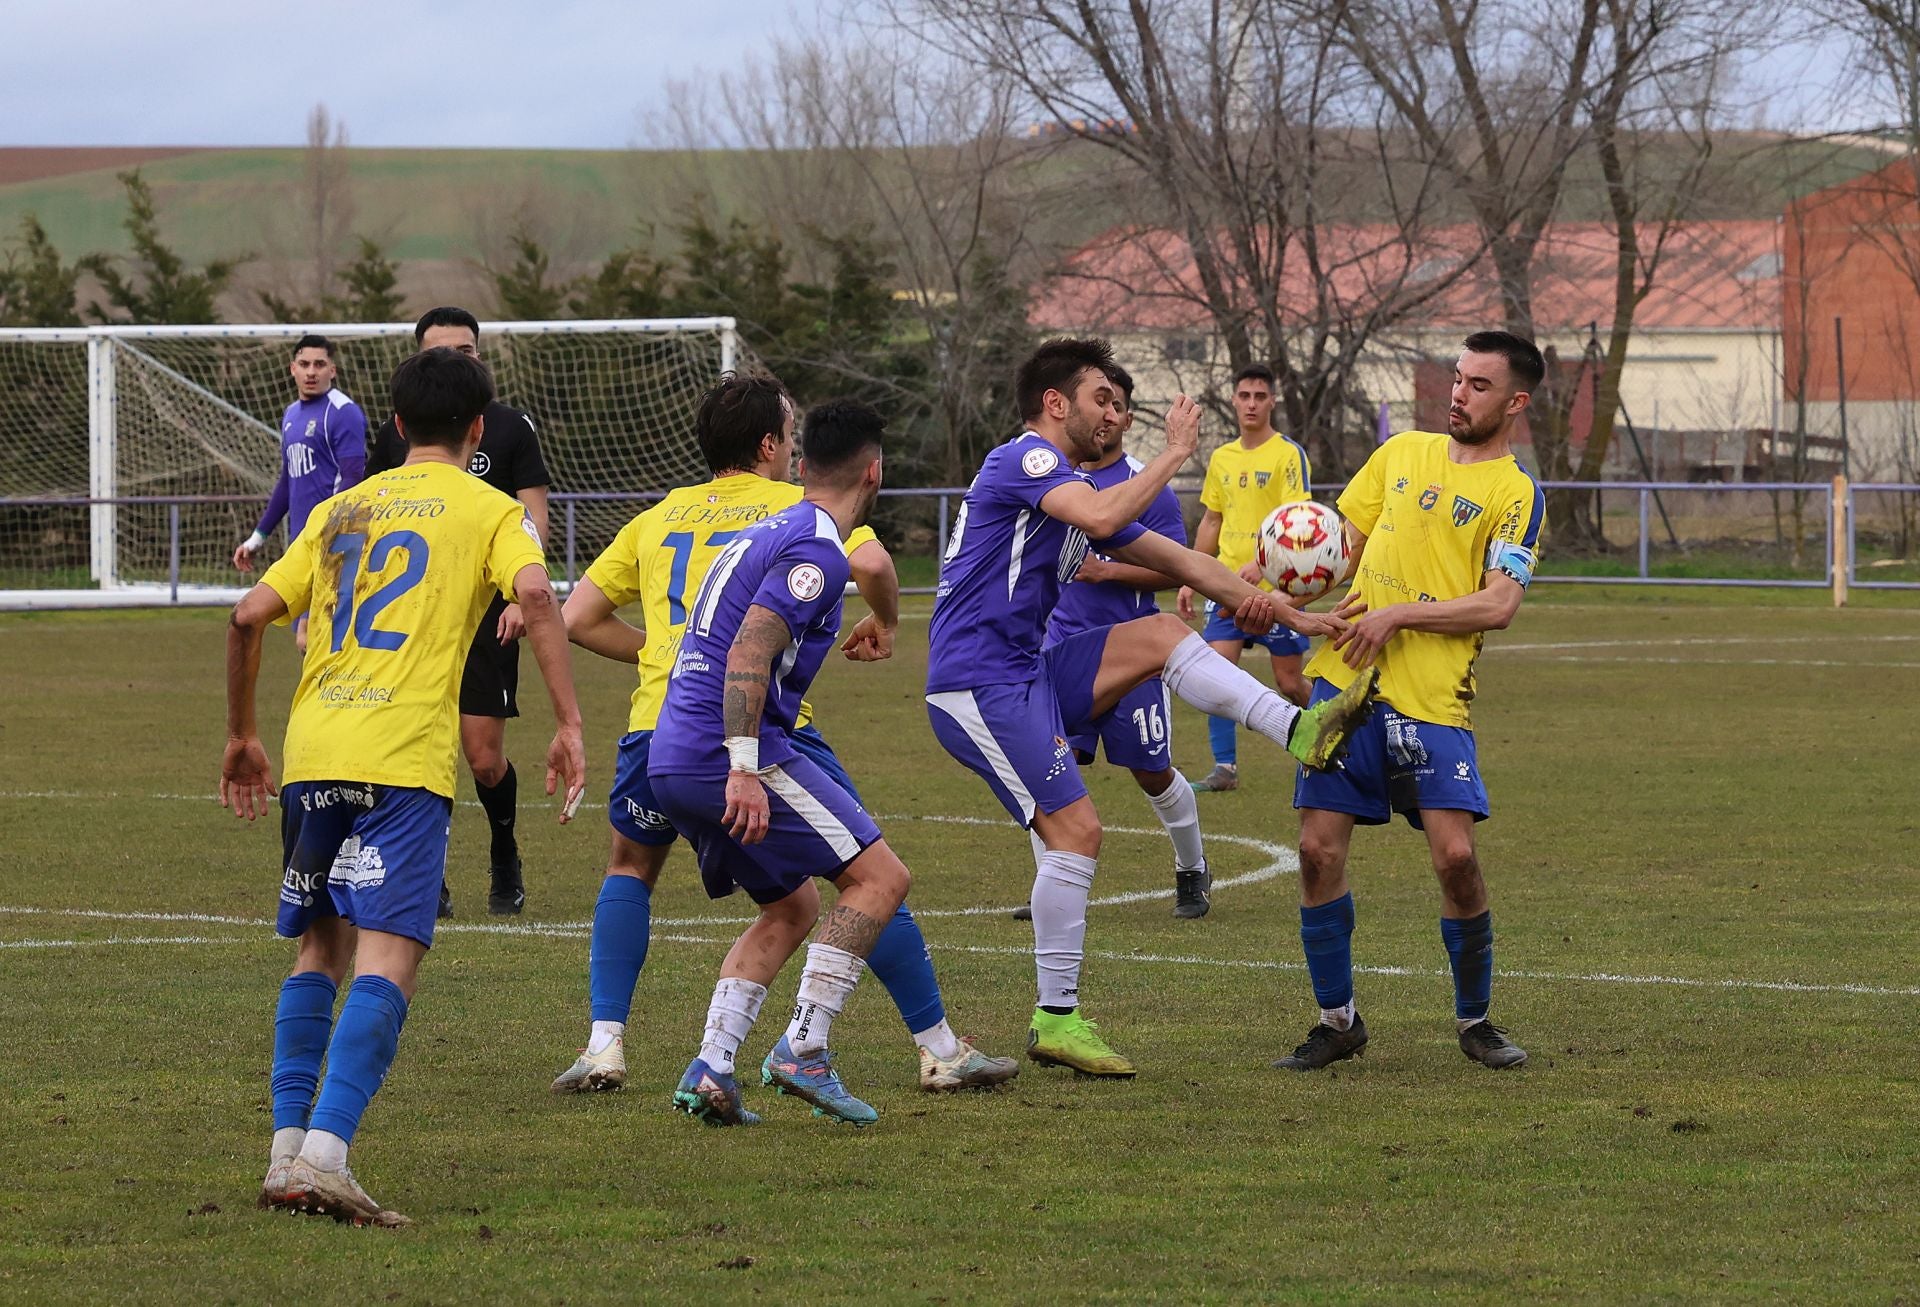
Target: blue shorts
(372, 854)
(1395, 764)
(1138, 733)
(814, 828)
(631, 808)
(1015, 736)
(1281, 641)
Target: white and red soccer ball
(1302, 549)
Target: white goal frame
(103, 347)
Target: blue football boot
(711, 1096)
(812, 1079)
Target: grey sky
(538, 73)
(553, 73)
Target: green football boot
(1320, 733)
(1070, 1040)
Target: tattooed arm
(763, 634)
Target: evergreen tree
(36, 288)
(160, 287)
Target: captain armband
(1513, 560)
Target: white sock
(735, 1007)
(1339, 1018)
(1179, 812)
(324, 1151)
(825, 984)
(605, 1033)
(1039, 847)
(939, 1040)
(1203, 678)
(286, 1143)
(1466, 1023)
(1060, 892)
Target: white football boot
(594, 1073)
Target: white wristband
(743, 753)
(253, 542)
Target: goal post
(134, 459)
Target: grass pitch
(1701, 863)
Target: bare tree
(326, 198)
(1239, 127)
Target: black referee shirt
(508, 458)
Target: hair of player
(438, 393)
(1255, 372)
(1522, 355)
(839, 438)
(313, 341)
(445, 316)
(1055, 366)
(735, 414)
(1120, 377)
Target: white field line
(988, 950)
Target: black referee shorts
(491, 683)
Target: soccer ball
(1302, 549)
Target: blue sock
(1470, 950)
(622, 920)
(1326, 933)
(364, 1042)
(1220, 734)
(300, 1030)
(901, 961)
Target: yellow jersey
(1431, 525)
(660, 558)
(394, 574)
(1244, 485)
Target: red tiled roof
(1711, 275)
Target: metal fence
(1793, 534)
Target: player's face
(451, 337)
(1113, 441)
(1485, 398)
(1253, 405)
(781, 468)
(1093, 411)
(313, 371)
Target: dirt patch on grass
(29, 163)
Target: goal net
(134, 459)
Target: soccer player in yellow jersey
(745, 430)
(1247, 479)
(394, 574)
(1445, 531)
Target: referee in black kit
(509, 460)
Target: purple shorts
(814, 828)
(1138, 733)
(1015, 736)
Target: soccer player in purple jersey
(1004, 707)
(323, 450)
(760, 814)
(1137, 733)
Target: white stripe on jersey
(815, 813)
(1019, 548)
(716, 582)
(964, 709)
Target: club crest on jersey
(1465, 510)
(1260, 479)
(1429, 497)
(479, 464)
(1039, 462)
(1243, 480)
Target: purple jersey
(323, 450)
(1088, 605)
(792, 563)
(1003, 569)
